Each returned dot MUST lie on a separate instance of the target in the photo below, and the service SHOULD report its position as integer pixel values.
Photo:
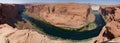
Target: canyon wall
(9, 14)
(111, 31)
(71, 15)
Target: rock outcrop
(111, 31)
(9, 14)
(8, 17)
(63, 15)
(9, 34)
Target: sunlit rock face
(71, 15)
(9, 34)
(111, 12)
(111, 31)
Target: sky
(59, 1)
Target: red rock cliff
(8, 14)
(64, 15)
(111, 30)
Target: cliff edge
(70, 15)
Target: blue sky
(56, 1)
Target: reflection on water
(66, 34)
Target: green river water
(67, 34)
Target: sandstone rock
(62, 15)
(9, 14)
(111, 30)
(9, 34)
(111, 12)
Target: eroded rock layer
(111, 30)
(64, 15)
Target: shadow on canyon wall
(9, 14)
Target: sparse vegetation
(104, 17)
(89, 26)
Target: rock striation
(71, 15)
(111, 31)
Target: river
(67, 34)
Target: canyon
(68, 15)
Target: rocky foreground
(9, 34)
